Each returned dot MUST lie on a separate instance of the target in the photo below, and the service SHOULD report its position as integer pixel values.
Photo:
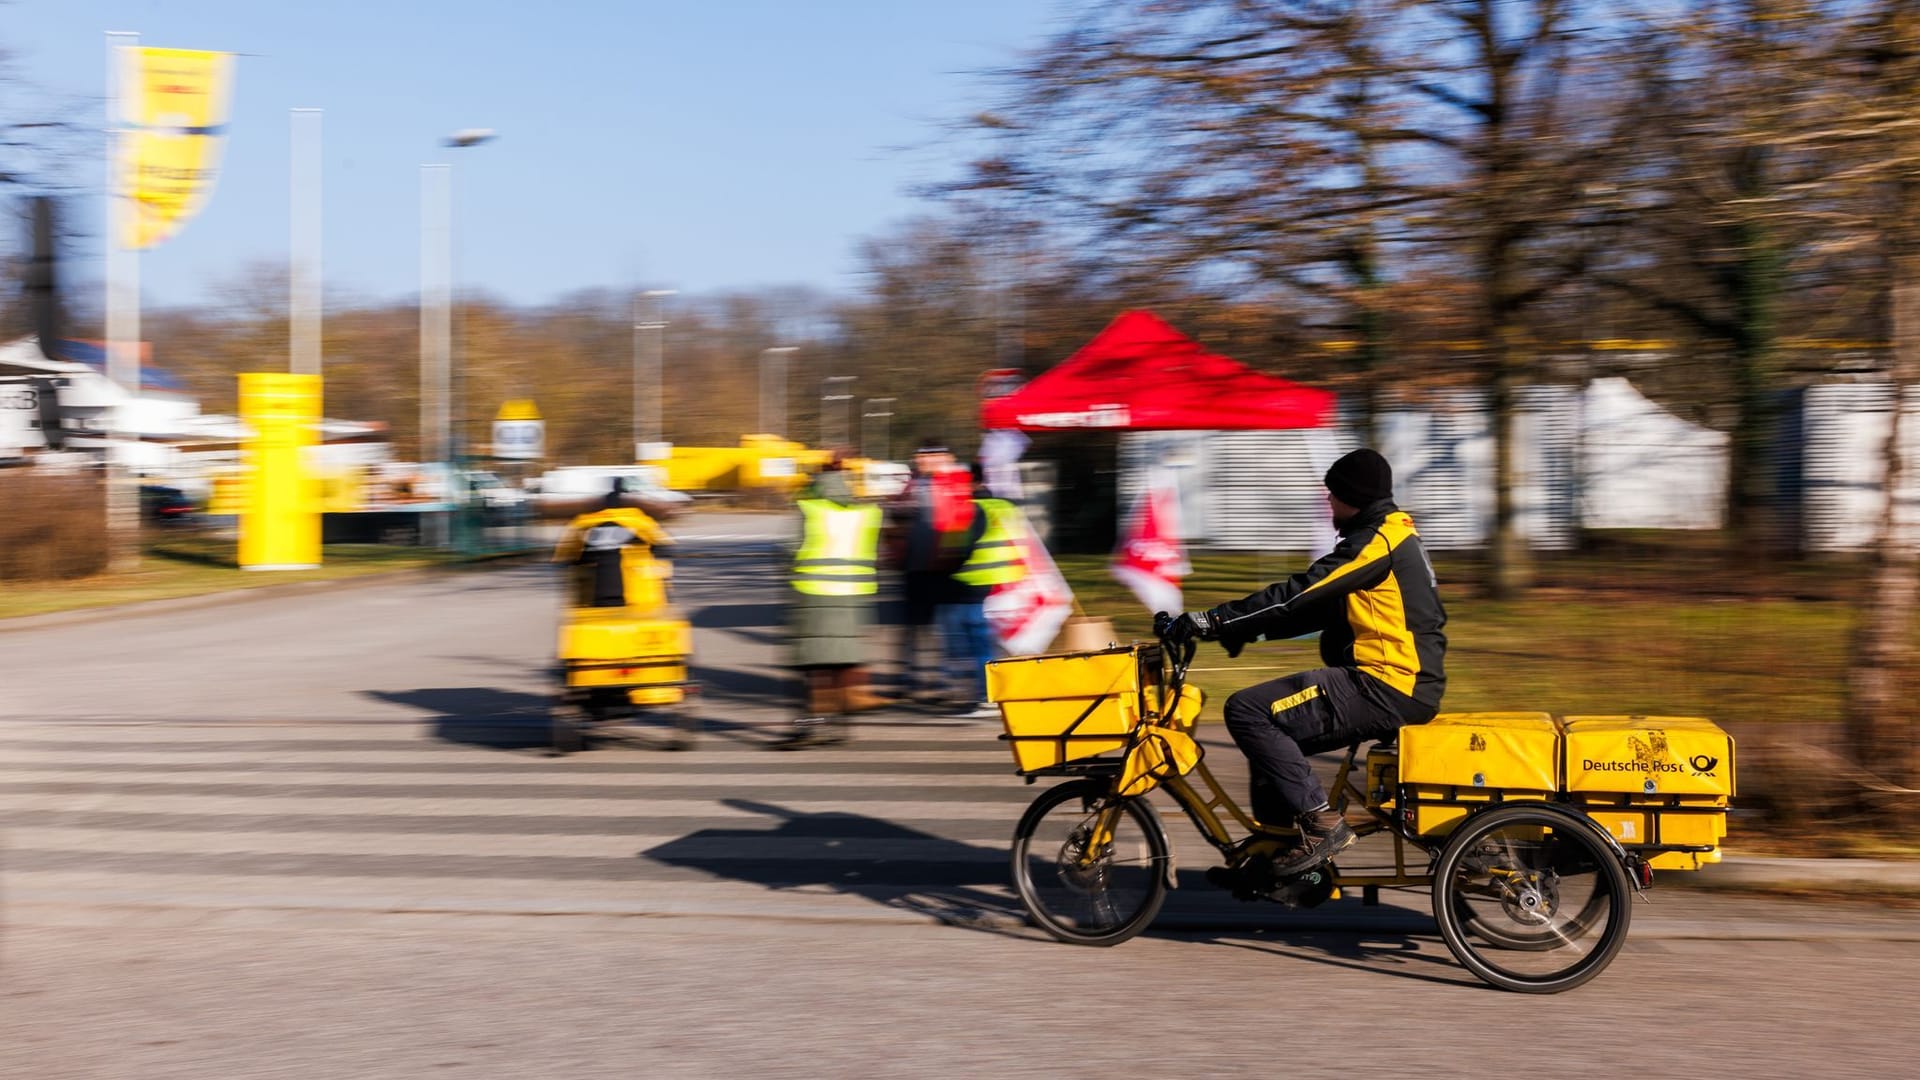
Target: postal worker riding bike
(1374, 601)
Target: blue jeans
(969, 645)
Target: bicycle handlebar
(1179, 658)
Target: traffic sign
(519, 439)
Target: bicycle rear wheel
(1083, 887)
(1531, 900)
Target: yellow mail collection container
(1653, 780)
(1457, 762)
(1063, 707)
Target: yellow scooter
(623, 647)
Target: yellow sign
(518, 409)
(173, 115)
(280, 516)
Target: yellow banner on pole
(173, 116)
(280, 517)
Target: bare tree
(1303, 151)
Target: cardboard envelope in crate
(1067, 706)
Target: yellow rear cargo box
(614, 633)
(1065, 706)
(1650, 755)
(1490, 750)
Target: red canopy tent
(1140, 374)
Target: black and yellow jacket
(1374, 600)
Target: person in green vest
(993, 558)
(830, 601)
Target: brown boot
(1324, 833)
(823, 695)
(858, 698)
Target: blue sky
(696, 145)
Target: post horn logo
(1703, 763)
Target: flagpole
(304, 248)
(123, 328)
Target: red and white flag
(1151, 560)
(1027, 614)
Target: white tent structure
(1641, 467)
(1599, 456)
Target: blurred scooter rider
(602, 542)
(1374, 599)
(836, 581)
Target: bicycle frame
(1205, 811)
(1208, 806)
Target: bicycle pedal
(1308, 889)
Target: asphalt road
(316, 836)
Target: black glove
(1193, 626)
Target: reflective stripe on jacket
(995, 558)
(839, 549)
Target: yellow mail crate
(1653, 781)
(1649, 755)
(1490, 751)
(1065, 706)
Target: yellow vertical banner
(280, 518)
(173, 115)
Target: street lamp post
(842, 432)
(885, 417)
(773, 390)
(439, 423)
(436, 310)
(647, 426)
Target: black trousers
(920, 592)
(1278, 723)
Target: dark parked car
(163, 505)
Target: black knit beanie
(1360, 478)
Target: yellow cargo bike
(623, 648)
(1533, 833)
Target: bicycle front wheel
(1531, 900)
(1091, 869)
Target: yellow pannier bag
(1066, 706)
(1650, 755)
(1488, 751)
(1161, 752)
(1186, 712)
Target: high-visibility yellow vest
(995, 560)
(839, 549)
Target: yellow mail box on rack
(1650, 755)
(1489, 751)
(1457, 761)
(1065, 706)
(1653, 781)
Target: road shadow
(848, 853)
(963, 885)
(1398, 948)
(762, 624)
(756, 688)
(479, 715)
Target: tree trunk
(1511, 570)
(1754, 515)
(1879, 724)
